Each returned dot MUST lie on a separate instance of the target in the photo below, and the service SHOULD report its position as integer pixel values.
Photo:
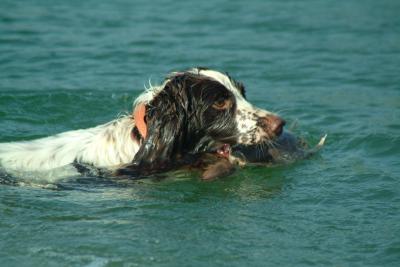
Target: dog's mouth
(224, 150)
(221, 149)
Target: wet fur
(181, 121)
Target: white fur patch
(106, 145)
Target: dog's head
(197, 111)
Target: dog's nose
(277, 125)
(272, 124)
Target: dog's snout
(272, 124)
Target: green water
(332, 66)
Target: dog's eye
(222, 104)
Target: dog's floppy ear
(166, 119)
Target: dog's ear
(166, 126)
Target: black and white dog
(192, 112)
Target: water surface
(332, 66)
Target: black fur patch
(181, 121)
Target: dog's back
(103, 146)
